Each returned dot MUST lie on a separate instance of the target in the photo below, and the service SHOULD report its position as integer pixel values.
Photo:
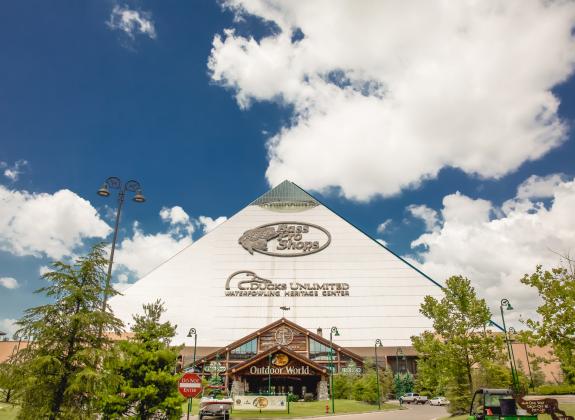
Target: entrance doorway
(284, 385)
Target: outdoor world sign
(249, 284)
(285, 239)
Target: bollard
(326, 408)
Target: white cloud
(9, 282)
(428, 215)
(383, 226)
(382, 241)
(132, 22)
(495, 247)
(174, 215)
(208, 224)
(8, 326)
(46, 224)
(43, 270)
(178, 220)
(540, 187)
(143, 252)
(386, 94)
(13, 172)
(123, 282)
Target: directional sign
(190, 385)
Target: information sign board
(260, 402)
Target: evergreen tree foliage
(403, 383)
(556, 326)
(58, 371)
(459, 343)
(9, 381)
(141, 373)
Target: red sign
(190, 385)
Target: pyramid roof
(286, 249)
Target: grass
(297, 409)
(568, 408)
(303, 409)
(8, 411)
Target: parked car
(412, 397)
(439, 401)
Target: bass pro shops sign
(285, 239)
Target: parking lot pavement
(412, 412)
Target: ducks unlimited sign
(249, 284)
(285, 239)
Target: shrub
(342, 386)
(555, 389)
(292, 398)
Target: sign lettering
(249, 284)
(285, 239)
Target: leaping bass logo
(285, 239)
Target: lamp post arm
(377, 374)
(121, 197)
(194, 360)
(509, 349)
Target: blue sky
(208, 104)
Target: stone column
(237, 387)
(322, 393)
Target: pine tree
(59, 369)
(141, 373)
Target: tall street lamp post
(398, 351)
(377, 344)
(104, 191)
(507, 305)
(332, 332)
(531, 384)
(192, 333)
(270, 374)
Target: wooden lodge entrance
(280, 358)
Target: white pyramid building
(286, 249)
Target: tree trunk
(61, 388)
(468, 366)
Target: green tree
(59, 369)
(141, 377)
(343, 386)
(363, 387)
(556, 326)
(493, 374)
(460, 341)
(432, 366)
(9, 381)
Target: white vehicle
(412, 397)
(439, 401)
(216, 404)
